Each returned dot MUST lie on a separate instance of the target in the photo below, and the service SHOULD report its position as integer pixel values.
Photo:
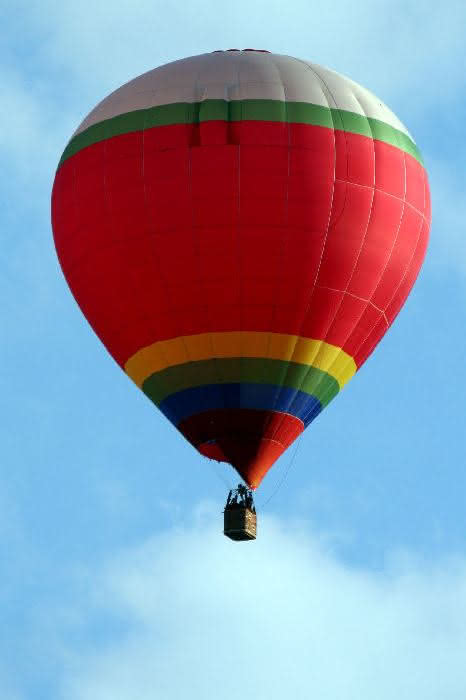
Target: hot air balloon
(240, 229)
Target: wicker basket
(240, 523)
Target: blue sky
(115, 579)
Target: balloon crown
(257, 50)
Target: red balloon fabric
(240, 229)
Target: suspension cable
(285, 474)
(222, 476)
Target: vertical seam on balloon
(323, 82)
(308, 306)
(228, 136)
(106, 191)
(404, 277)
(154, 254)
(284, 232)
(408, 267)
(241, 316)
(366, 228)
(238, 230)
(399, 223)
(202, 287)
(183, 341)
(345, 291)
(75, 194)
(383, 315)
(315, 411)
(318, 408)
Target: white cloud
(282, 617)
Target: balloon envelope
(240, 229)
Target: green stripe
(241, 110)
(238, 370)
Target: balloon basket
(240, 525)
(239, 516)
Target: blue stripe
(263, 397)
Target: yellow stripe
(275, 346)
